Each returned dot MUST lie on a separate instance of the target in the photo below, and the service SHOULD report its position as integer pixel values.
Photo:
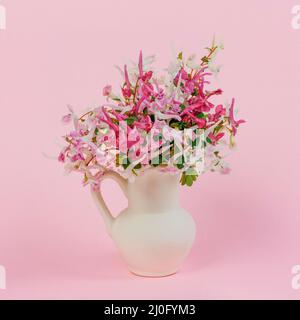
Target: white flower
(192, 62)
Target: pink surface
(52, 239)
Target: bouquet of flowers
(158, 120)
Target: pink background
(52, 239)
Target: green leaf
(189, 180)
(205, 59)
(180, 166)
(208, 140)
(158, 137)
(173, 124)
(218, 128)
(188, 177)
(130, 120)
(182, 125)
(201, 115)
(138, 166)
(179, 57)
(126, 165)
(195, 143)
(195, 92)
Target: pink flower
(147, 76)
(107, 90)
(152, 110)
(201, 123)
(147, 89)
(136, 108)
(126, 91)
(134, 153)
(189, 86)
(219, 111)
(213, 93)
(214, 138)
(182, 74)
(66, 119)
(133, 138)
(74, 134)
(77, 157)
(234, 123)
(61, 157)
(144, 122)
(108, 120)
(225, 170)
(119, 117)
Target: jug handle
(100, 203)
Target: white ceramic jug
(153, 234)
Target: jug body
(153, 234)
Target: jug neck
(154, 191)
